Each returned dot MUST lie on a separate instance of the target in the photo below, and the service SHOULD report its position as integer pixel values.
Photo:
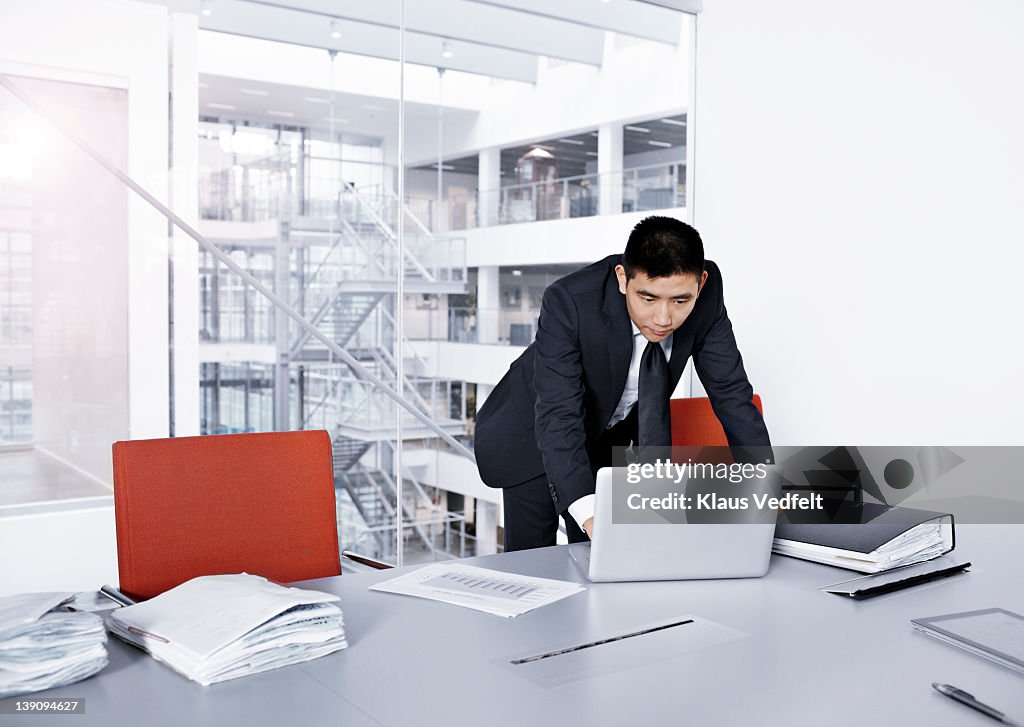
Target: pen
(964, 698)
(116, 596)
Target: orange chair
(225, 503)
(694, 423)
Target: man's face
(658, 306)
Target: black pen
(964, 698)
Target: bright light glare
(15, 162)
(245, 142)
(26, 138)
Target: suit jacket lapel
(619, 341)
(682, 345)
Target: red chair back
(226, 503)
(694, 423)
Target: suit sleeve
(559, 411)
(719, 365)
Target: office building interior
(224, 216)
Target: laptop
(694, 545)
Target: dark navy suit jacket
(557, 397)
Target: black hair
(663, 246)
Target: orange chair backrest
(694, 423)
(225, 503)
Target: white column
(609, 166)
(486, 528)
(184, 35)
(488, 301)
(488, 182)
(148, 161)
(282, 383)
(389, 155)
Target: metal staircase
(347, 292)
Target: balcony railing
(644, 188)
(274, 188)
(509, 326)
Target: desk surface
(792, 655)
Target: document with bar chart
(503, 594)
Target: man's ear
(620, 273)
(703, 279)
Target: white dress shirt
(583, 509)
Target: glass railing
(653, 187)
(452, 214)
(264, 189)
(282, 187)
(509, 326)
(275, 188)
(644, 188)
(557, 199)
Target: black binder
(868, 537)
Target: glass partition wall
(379, 210)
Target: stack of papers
(921, 543)
(491, 591)
(215, 628)
(42, 648)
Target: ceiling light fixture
(446, 52)
(224, 106)
(577, 142)
(335, 28)
(640, 129)
(659, 143)
(206, 7)
(254, 92)
(673, 122)
(283, 114)
(316, 99)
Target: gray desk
(803, 658)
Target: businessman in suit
(612, 341)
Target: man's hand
(588, 526)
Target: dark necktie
(653, 391)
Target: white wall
(858, 178)
(73, 548)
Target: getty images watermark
(820, 484)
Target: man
(612, 342)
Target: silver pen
(964, 698)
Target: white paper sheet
(491, 591)
(24, 608)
